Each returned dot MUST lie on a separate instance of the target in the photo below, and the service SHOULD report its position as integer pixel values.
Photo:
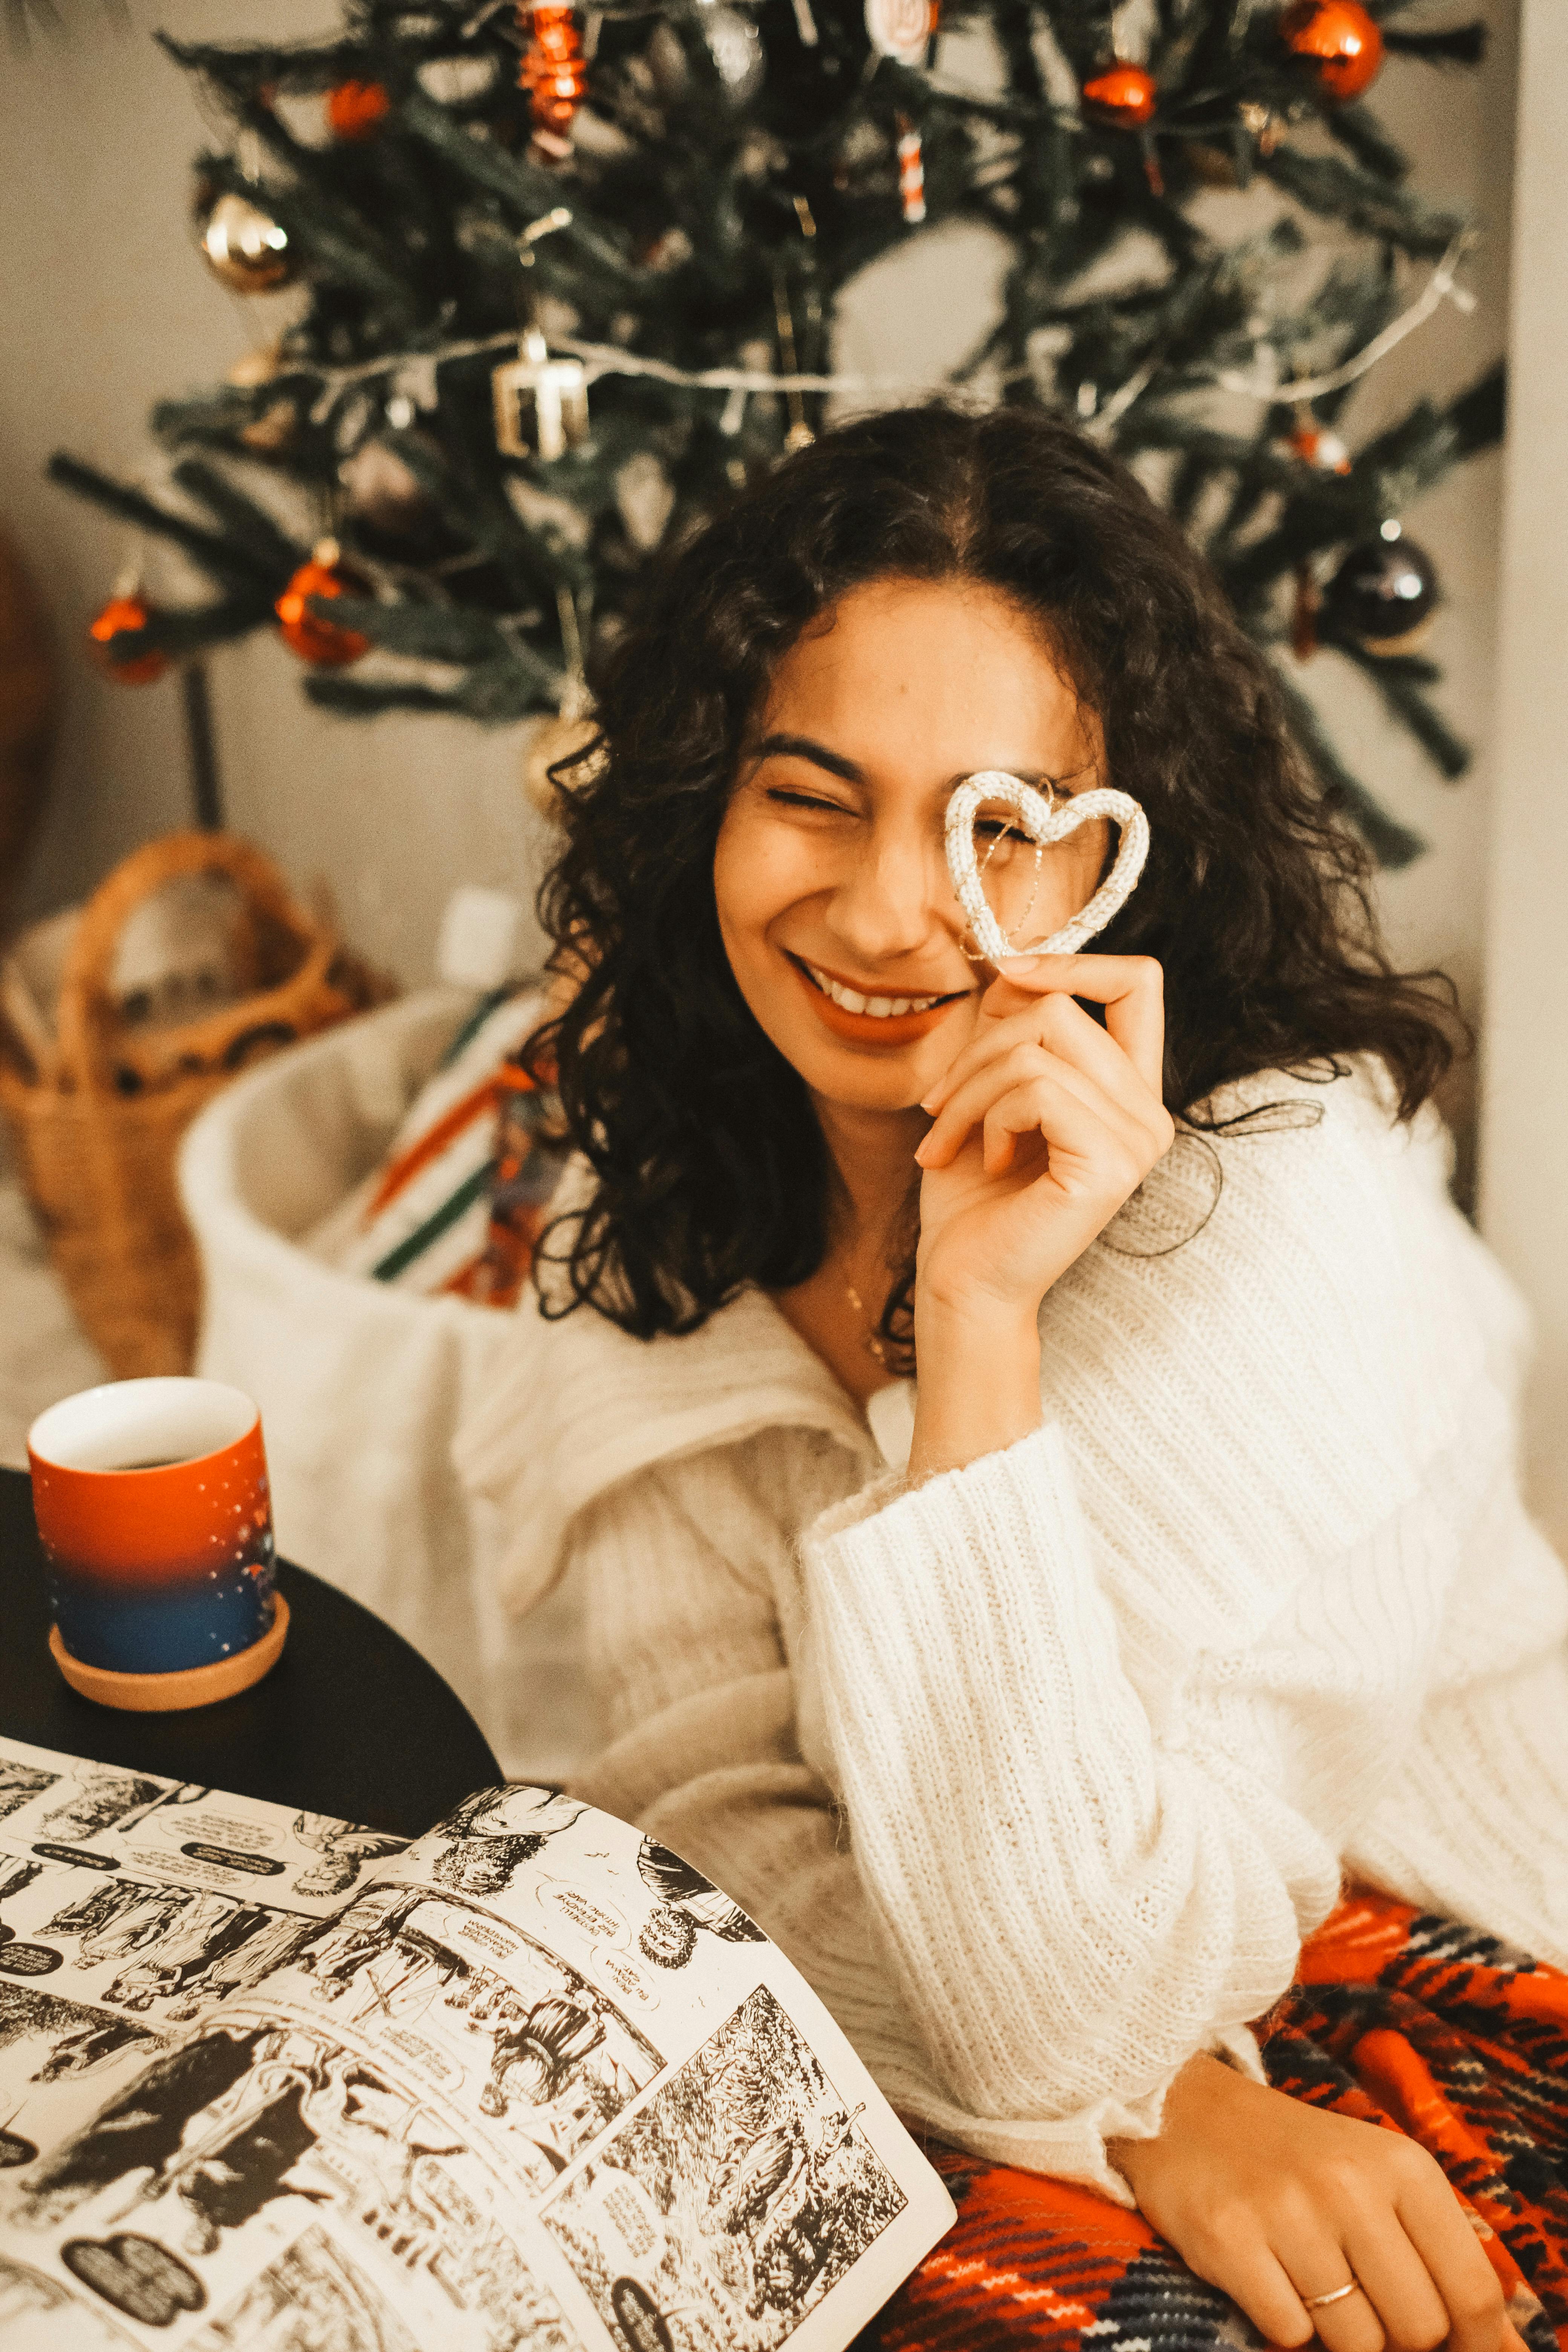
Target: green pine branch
(695, 212)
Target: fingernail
(921, 1151)
(929, 1102)
(1016, 963)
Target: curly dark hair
(711, 1172)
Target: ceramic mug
(156, 1525)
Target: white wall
(1525, 1121)
(107, 308)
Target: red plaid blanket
(1411, 2022)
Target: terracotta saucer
(190, 1686)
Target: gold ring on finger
(1335, 2295)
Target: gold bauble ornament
(246, 247)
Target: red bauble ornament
(1123, 95)
(354, 108)
(555, 73)
(321, 642)
(1337, 39)
(120, 617)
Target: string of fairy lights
(415, 371)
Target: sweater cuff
(1034, 1471)
(1005, 1567)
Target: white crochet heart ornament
(1044, 825)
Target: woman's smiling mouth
(862, 1019)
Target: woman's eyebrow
(801, 746)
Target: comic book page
(531, 2082)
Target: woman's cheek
(750, 872)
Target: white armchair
(363, 1387)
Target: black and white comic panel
(685, 1904)
(723, 2210)
(199, 2187)
(541, 2057)
(488, 1845)
(100, 1970)
(58, 2059)
(313, 2298)
(63, 1809)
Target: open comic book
(269, 2080)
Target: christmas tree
(570, 278)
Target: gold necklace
(877, 1348)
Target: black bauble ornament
(1384, 593)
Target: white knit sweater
(1042, 1770)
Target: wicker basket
(96, 1131)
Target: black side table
(351, 1720)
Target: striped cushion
(459, 1199)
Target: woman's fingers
(1396, 2285)
(1015, 1066)
(1086, 1161)
(1257, 2281)
(1077, 1120)
(1419, 2281)
(1131, 988)
(1455, 2261)
(1022, 1111)
(1060, 1024)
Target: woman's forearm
(979, 1387)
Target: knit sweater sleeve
(1153, 1666)
(1073, 1905)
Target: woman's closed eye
(789, 799)
(992, 828)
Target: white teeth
(880, 1008)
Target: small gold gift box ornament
(540, 403)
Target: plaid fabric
(1406, 2021)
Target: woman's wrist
(979, 1383)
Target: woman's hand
(1273, 2201)
(1042, 1127)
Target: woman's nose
(890, 899)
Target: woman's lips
(871, 1028)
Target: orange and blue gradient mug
(155, 1520)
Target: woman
(1039, 1710)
